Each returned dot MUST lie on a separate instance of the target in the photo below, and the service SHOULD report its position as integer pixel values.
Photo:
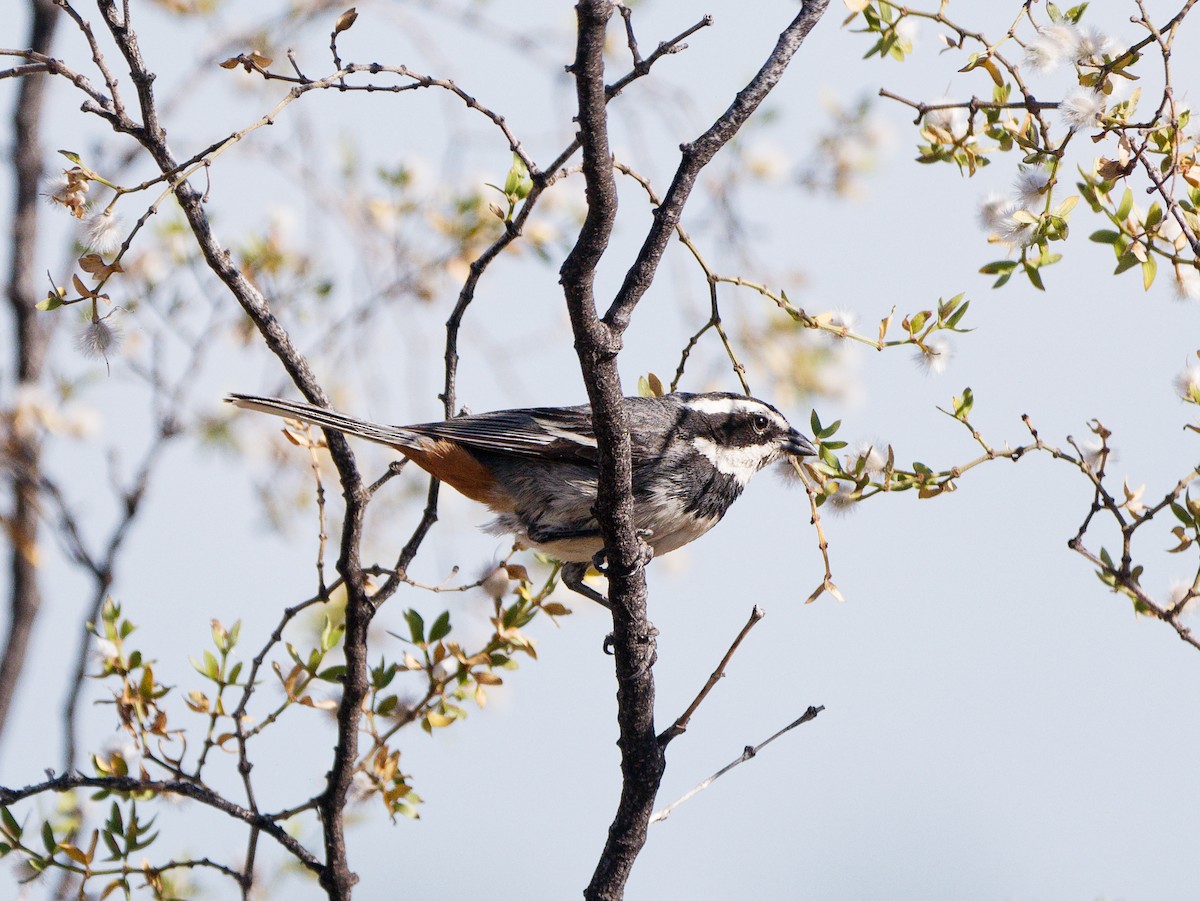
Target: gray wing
(557, 433)
(563, 433)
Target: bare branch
(184, 788)
(748, 754)
(665, 48)
(680, 725)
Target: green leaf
(953, 321)
(1035, 277)
(292, 652)
(1182, 515)
(1064, 209)
(999, 267)
(1125, 263)
(1105, 236)
(963, 404)
(946, 307)
(12, 828)
(146, 842)
(51, 302)
(517, 184)
(416, 626)
(1149, 269)
(383, 676)
(72, 156)
(441, 626)
(815, 422)
(1126, 204)
(114, 849)
(332, 673)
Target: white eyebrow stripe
(730, 405)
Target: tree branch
(196, 792)
(336, 877)
(32, 335)
(597, 343)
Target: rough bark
(597, 343)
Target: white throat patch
(739, 462)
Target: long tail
(391, 435)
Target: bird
(536, 467)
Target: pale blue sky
(997, 725)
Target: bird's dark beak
(797, 445)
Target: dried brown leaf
(517, 571)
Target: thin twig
(714, 317)
(822, 542)
(747, 754)
(680, 725)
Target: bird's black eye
(760, 423)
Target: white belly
(661, 516)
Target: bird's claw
(645, 552)
(645, 638)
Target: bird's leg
(572, 577)
(600, 561)
(572, 573)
